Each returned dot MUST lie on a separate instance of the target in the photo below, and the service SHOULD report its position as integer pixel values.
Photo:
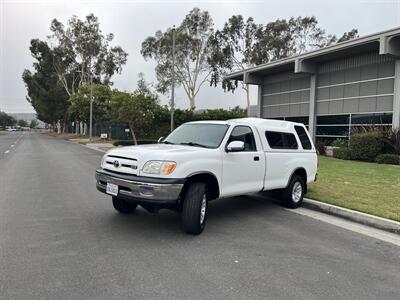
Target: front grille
(121, 157)
(123, 165)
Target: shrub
(342, 153)
(391, 140)
(390, 159)
(341, 143)
(131, 142)
(320, 145)
(366, 146)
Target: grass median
(367, 187)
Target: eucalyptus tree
(73, 55)
(192, 69)
(80, 103)
(241, 44)
(83, 54)
(234, 48)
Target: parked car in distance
(206, 160)
(11, 129)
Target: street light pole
(91, 108)
(173, 80)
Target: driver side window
(245, 135)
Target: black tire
(288, 198)
(123, 206)
(192, 206)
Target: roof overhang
(385, 43)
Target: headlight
(103, 160)
(159, 167)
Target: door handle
(256, 158)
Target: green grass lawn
(366, 187)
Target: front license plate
(112, 189)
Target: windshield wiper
(168, 143)
(194, 144)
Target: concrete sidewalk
(101, 147)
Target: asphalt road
(61, 238)
(8, 140)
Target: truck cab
(205, 160)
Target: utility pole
(91, 107)
(173, 79)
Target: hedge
(340, 143)
(342, 153)
(390, 159)
(366, 146)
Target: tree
(243, 44)
(285, 38)
(80, 103)
(191, 56)
(82, 53)
(137, 110)
(233, 48)
(45, 92)
(143, 87)
(6, 120)
(34, 123)
(22, 123)
(353, 34)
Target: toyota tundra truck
(205, 160)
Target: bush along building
(334, 90)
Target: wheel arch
(300, 172)
(207, 177)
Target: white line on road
(349, 225)
(6, 151)
(12, 146)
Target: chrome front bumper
(142, 189)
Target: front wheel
(292, 196)
(123, 206)
(194, 212)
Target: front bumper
(141, 189)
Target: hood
(132, 158)
(155, 151)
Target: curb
(98, 149)
(363, 218)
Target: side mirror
(235, 146)
(160, 140)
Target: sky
(132, 21)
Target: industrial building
(333, 90)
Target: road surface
(60, 238)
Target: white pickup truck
(206, 160)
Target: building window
(372, 119)
(281, 140)
(304, 140)
(338, 130)
(303, 120)
(341, 126)
(333, 120)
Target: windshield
(197, 134)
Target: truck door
(243, 171)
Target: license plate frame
(112, 189)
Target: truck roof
(258, 122)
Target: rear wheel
(292, 196)
(195, 204)
(123, 206)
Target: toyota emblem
(116, 163)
